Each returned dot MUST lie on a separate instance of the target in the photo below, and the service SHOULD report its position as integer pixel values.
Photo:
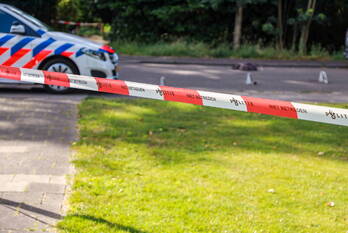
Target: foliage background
(209, 21)
(45, 10)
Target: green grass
(186, 49)
(152, 166)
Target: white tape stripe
(83, 82)
(328, 115)
(77, 23)
(218, 100)
(32, 76)
(322, 114)
(144, 90)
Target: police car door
(15, 42)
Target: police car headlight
(115, 58)
(95, 54)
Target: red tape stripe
(112, 86)
(58, 79)
(10, 73)
(328, 115)
(181, 95)
(270, 107)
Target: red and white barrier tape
(328, 115)
(77, 23)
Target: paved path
(36, 132)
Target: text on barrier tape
(287, 109)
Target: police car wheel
(62, 66)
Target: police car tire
(72, 67)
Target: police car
(28, 43)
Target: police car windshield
(28, 17)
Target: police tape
(279, 108)
(77, 23)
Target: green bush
(183, 48)
(89, 31)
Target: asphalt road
(298, 84)
(295, 84)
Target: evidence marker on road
(249, 80)
(323, 78)
(162, 80)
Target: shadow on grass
(180, 133)
(111, 225)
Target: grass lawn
(151, 166)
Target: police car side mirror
(17, 28)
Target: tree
(68, 10)
(238, 22)
(239, 6)
(287, 23)
(308, 16)
(280, 25)
(303, 18)
(44, 10)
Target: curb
(231, 62)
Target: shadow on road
(37, 91)
(30, 208)
(18, 206)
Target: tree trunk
(306, 28)
(294, 37)
(237, 34)
(286, 10)
(280, 25)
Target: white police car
(28, 43)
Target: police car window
(28, 17)
(6, 22)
